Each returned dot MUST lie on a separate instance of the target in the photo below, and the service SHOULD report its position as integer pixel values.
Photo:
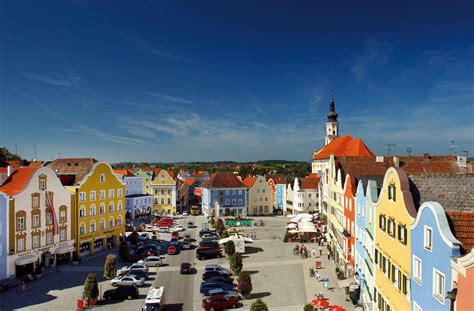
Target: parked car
(138, 273)
(207, 286)
(220, 278)
(136, 266)
(129, 279)
(121, 292)
(214, 267)
(213, 244)
(209, 274)
(222, 292)
(219, 302)
(163, 229)
(204, 231)
(174, 242)
(152, 261)
(177, 228)
(205, 252)
(144, 236)
(191, 225)
(150, 228)
(187, 235)
(172, 250)
(186, 268)
(209, 237)
(185, 213)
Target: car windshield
(153, 306)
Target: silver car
(152, 261)
(128, 280)
(137, 266)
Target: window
(169, 191)
(102, 224)
(111, 207)
(119, 192)
(406, 285)
(391, 192)
(42, 181)
(102, 208)
(82, 211)
(49, 219)
(82, 196)
(21, 223)
(119, 205)
(82, 229)
(119, 221)
(63, 235)
(240, 201)
(92, 226)
(402, 234)
(162, 191)
(35, 201)
(234, 201)
(111, 193)
(36, 241)
(162, 201)
(438, 285)
(102, 194)
(169, 200)
(92, 210)
(102, 178)
(391, 227)
(36, 221)
(92, 195)
(111, 222)
(382, 224)
(417, 269)
(227, 202)
(49, 238)
(21, 244)
(240, 192)
(428, 239)
(233, 192)
(62, 216)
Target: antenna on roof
(452, 148)
(389, 147)
(465, 153)
(409, 151)
(35, 153)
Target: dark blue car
(207, 286)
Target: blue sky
(246, 80)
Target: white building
(260, 196)
(139, 205)
(41, 214)
(306, 195)
(133, 185)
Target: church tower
(332, 126)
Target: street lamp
(452, 296)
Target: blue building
(280, 194)
(360, 233)
(3, 236)
(227, 191)
(432, 247)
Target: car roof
(210, 266)
(216, 291)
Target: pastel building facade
(146, 180)
(3, 236)
(349, 224)
(40, 221)
(280, 195)
(259, 196)
(226, 192)
(432, 247)
(289, 199)
(164, 193)
(133, 185)
(360, 268)
(463, 281)
(306, 195)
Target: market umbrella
(293, 231)
(336, 308)
(320, 303)
(291, 226)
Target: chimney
(379, 159)
(462, 161)
(9, 170)
(396, 161)
(426, 155)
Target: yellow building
(395, 212)
(146, 181)
(164, 194)
(98, 199)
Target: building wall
(390, 247)
(260, 198)
(272, 185)
(335, 215)
(305, 200)
(146, 182)
(164, 193)
(280, 196)
(463, 274)
(349, 221)
(133, 185)
(230, 199)
(113, 207)
(289, 200)
(136, 205)
(32, 201)
(3, 236)
(361, 237)
(371, 201)
(431, 215)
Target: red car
(172, 250)
(218, 302)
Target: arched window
(102, 178)
(102, 224)
(92, 210)
(111, 222)
(82, 211)
(82, 228)
(92, 226)
(102, 208)
(111, 206)
(119, 221)
(119, 205)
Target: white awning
(291, 226)
(26, 260)
(63, 249)
(346, 282)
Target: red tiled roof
(249, 181)
(79, 167)
(36, 164)
(15, 163)
(343, 146)
(171, 173)
(17, 180)
(308, 183)
(463, 229)
(223, 180)
(121, 172)
(312, 175)
(190, 181)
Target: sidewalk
(335, 295)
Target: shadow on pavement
(174, 307)
(259, 295)
(253, 250)
(253, 272)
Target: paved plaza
(279, 278)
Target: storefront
(25, 265)
(85, 248)
(111, 241)
(98, 245)
(47, 259)
(64, 254)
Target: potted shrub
(236, 263)
(110, 266)
(229, 248)
(244, 284)
(91, 287)
(258, 305)
(308, 307)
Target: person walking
(23, 285)
(320, 250)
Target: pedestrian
(318, 275)
(320, 250)
(23, 285)
(329, 255)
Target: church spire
(332, 115)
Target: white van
(154, 301)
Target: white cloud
(171, 98)
(57, 80)
(373, 57)
(97, 134)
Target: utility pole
(409, 151)
(389, 148)
(452, 148)
(35, 153)
(16, 149)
